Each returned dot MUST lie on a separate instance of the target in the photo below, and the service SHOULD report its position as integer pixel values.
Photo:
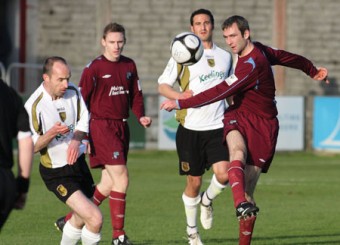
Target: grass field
(298, 199)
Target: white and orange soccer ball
(186, 48)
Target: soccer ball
(186, 48)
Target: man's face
(113, 45)
(234, 39)
(56, 83)
(202, 27)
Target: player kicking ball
(250, 124)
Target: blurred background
(32, 30)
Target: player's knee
(195, 181)
(222, 177)
(96, 219)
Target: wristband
(22, 184)
(177, 103)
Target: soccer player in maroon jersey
(110, 87)
(250, 123)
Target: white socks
(89, 238)
(72, 235)
(190, 206)
(214, 189)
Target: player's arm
(43, 140)
(73, 148)
(86, 84)
(169, 78)
(25, 161)
(169, 92)
(245, 79)
(288, 59)
(25, 157)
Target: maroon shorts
(260, 135)
(109, 141)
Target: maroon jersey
(110, 89)
(252, 84)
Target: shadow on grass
(291, 240)
(284, 240)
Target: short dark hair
(114, 27)
(49, 63)
(202, 11)
(241, 22)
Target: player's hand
(87, 146)
(59, 129)
(73, 151)
(169, 105)
(145, 121)
(21, 201)
(322, 75)
(186, 94)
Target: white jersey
(44, 113)
(214, 66)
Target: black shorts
(198, 150)
(64, 181)
(8, 193)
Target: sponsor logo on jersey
(185, 166)
(106, 76)
(128, 75)
(212, 75)
(62, 190)
(116, 90)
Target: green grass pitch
(298, 199)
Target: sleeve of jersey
(86, 84)
(284, 58)
(32, 121)
(235, 83)
(137, 103)
(83, 123)
(22, 120)
(169, 75)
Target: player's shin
(246, 228)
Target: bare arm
(45, 139)
(25, 157)
(73, 148)
(25, 161)
(170, 93)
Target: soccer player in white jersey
(59, 121)
(200, 132)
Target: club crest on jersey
(128, 75)
(62, 190)
(115, 155)
(211, 62)
(185, 166)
